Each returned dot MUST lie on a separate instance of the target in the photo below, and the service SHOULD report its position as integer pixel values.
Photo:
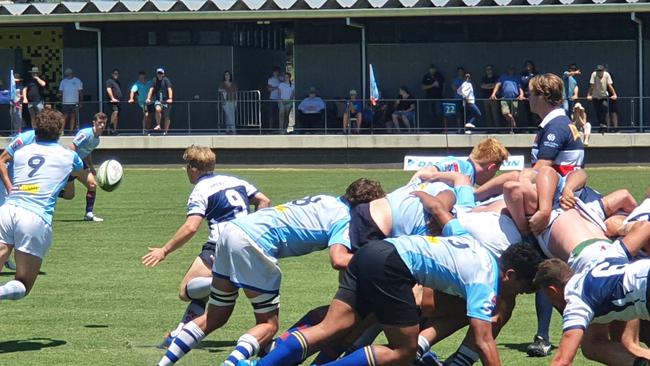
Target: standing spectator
(33, 93)
(228, 90)
(404, 109)
(613, 108)
(16, 106)
(140, 89)
(466, 90)
(274, 96)
(433, 83)
(455, 84)
(509, 87)
(285, 106)
(491, 107)
(582, 125)
(526, 118)
(571, 88)
(601, 90)
(161, 95)
(114, 93)
(71, 93)
(311, 109)
(353, 110)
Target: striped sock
(194, 309)
(290, 352)
(188, 338)
(247, 347)
(361, 357)
(12, 290)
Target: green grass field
(95, 304)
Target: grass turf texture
(95, 304)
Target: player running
(246, 257)
(40, 171)
(84, 142)
(216, 199)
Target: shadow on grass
(33, 344)
(68, 220)
(12, 273)
(216, 346)
(93, 326)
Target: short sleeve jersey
(299, 227)
(558, 140)
(610, 290)
(640, 213)
(454, 164)
(455, 265)
(218, 199)
(41, 171)
(408, 214)
(85, 141)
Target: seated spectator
(509, 87)
(404, 110)
(580, 122)
(466, 90)
(354, 112)
(311, 109)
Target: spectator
(70, 92)
(311, 109)
(353, 111)
(526, 118)
(466, 90)
(580, 122)
(455, 85)
(114, 93)
(161, 95)
(491, 107)
(601, 90)
(16, 106)
(140, 89)
(274, 95)
(433, 83)
(228, 90)
(509, 87)
(285, 106)
(404, 109)
(33, 93)
(571, 88)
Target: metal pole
(100, 94)
(350, 23)
(640, 61)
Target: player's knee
(182, 294)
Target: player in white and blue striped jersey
(216, 199)
(246, 257)
(40, 170)
(84, 142)
(609, 290)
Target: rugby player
(217, 199)
(40, 171)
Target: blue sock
(329, 354)
(544, 310)
(290, 352)
(361, 357)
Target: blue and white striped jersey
(220, 198)
(455, 264)
(41, 170)
(299, 227)
(85, 141)
(454, 164)
(610, 290)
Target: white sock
(12, 290)
(190, 336)
(423, 346)
(247, 347)
(199, 288)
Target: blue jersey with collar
(455, 265)
(454, 164)
(85, 141)
(41, 171)
(299, 227)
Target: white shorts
(24, 230)
(544, 237)
(241, 261)
(495, 232)
(594, 251)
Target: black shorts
(363, 228)
(72, 177)
(207, 254)
(68, 108)
(378, 282)
(613, 106)
(114, 107)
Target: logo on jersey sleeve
(550, 137)
(18, 143)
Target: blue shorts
(409, 115)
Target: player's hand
(169, 101)
(613, 97)
(568, 199)
(113, 100)
(155, 256)
(493, 97)
(539, 221)
(131, 101)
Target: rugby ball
(109, 175)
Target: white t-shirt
(466, 90)
(600, 84)
(70, 89)
(286, 91)
(274, 82)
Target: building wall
(332, 69)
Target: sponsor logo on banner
(515, 162)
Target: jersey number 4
(35, 162)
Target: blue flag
(374, 89)
(12, 87)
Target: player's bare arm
(494, 186)
(546, 181)
(260, 201)
(424, 172)
(487, 346)
(568, 347)
(574, 181)
(340, 256)
(5, 158)
(182, 236)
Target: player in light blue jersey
(40, 170)
(246, 257)
(216, 199)
(609, 290)
(84, 142)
